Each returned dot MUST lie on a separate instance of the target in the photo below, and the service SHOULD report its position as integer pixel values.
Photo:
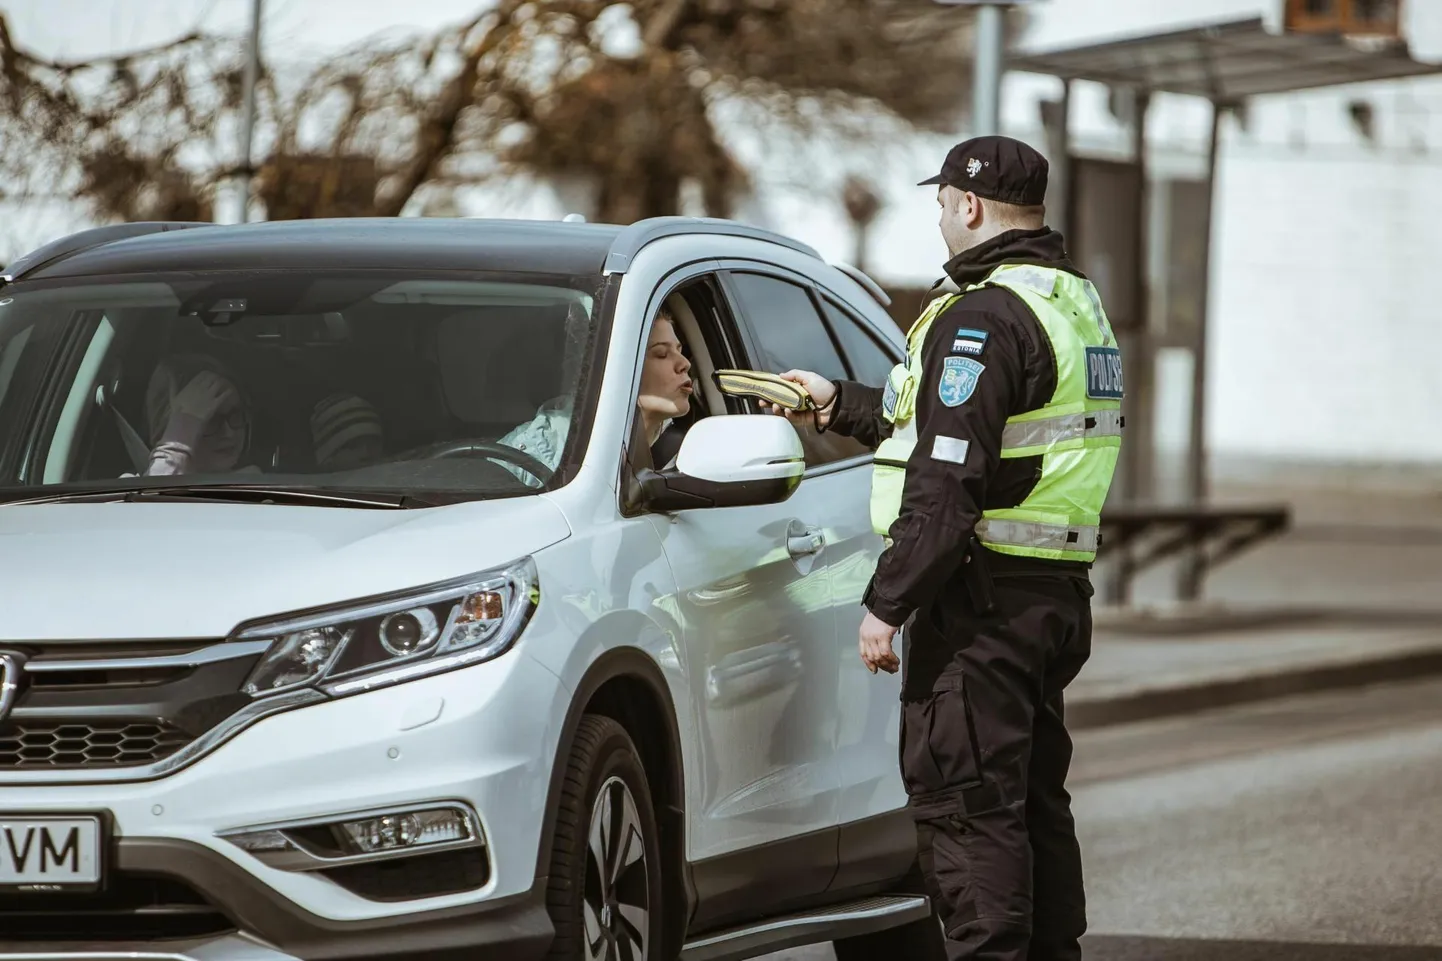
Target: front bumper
(514, 928)
(484, 736)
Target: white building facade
(1324, 331)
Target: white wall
(1325, 328)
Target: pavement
(1347, 597)
(1134, 677)
(1256, 775)
(1296, 829)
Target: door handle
(809, 541)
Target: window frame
(723, 329)
(867, 330)
(816, 293)
(754, 350)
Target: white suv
(440, 698)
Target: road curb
(1190, 699)
(1189, 625)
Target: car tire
(605, 891)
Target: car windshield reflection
(372, 380)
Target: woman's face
(666, 374)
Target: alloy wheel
(616, 908)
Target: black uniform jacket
(956, 470)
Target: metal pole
(988, 67)
(1190, 586)
(1059, 199)
(1135, 343)
(252, 72)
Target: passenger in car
(202, 427)
(665, 394)
(347, 432)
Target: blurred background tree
(622, 98)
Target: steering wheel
(482, 448)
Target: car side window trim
(724, 328)
(867, 328)
(735, 302)
(820, 289)
(731, 266)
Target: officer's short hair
(1014, 215)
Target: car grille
(57, 744)
(134, 907)
(95, 706)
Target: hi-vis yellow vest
(1077, 433)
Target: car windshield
(363, 380)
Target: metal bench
(1136, 537)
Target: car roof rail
(871, 286)
(72, 244)
(630, 240)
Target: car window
(788, 333)
(785, 327)
(870, 362)
(369, 380)
(26, 349)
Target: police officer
(996, 442)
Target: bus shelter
(1227, 64)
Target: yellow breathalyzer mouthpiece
(767, 387)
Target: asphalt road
(1308, 829)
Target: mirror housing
(730, 460)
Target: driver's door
(754, 599)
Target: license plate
(47, 854)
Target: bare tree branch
(542, 87)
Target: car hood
(140, 571)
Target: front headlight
(385, 641)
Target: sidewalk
(1348, 596)
(1133, 677)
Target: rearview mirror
(732, 460)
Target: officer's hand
(876, 650)
(822, 392)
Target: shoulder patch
(969, 341)
(958, 380)
(1104, 373)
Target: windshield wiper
(241, 494)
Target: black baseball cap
(995, 168)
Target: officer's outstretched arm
(965, 396)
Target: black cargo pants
(984, 755)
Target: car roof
(540, 246)
(360, 243)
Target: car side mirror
(730, 460)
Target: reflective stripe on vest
(1077, 434)
(1031, 437)
(1030, 534)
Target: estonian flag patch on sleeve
(968, 341)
